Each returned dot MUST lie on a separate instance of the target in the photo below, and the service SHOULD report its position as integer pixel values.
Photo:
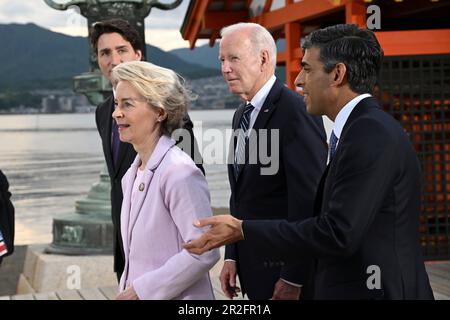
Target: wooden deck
(439, 273)
(102, 293)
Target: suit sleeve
(358, 186)
(230, 250)
(186, 195)
(304, 158)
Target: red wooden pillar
(355, 13)
(293, 34)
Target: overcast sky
(162, 27)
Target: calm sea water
(52, 160)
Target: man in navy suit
(272, 119)
(364, 235)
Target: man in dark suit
(276, 123)
(365, 232)
(116, 41)
(6, 219)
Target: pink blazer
(175, 193)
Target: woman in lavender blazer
(163, 190)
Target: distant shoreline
(53, 113)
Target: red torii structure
(205, 18)
(414, 81)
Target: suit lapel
(263, 117)
(322, 189)
(163, 146)
(319, 193)
(235, 125)
(269, 106)
(238, 116)
(139, 200)
(108, 105)
(124, 149)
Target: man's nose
(225, 67)
(116, 59)
(299, 80)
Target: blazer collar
(163, 145)
(128, 221)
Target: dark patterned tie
(333, 143)
(239, 158)
(115, 143)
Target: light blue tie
(333, 143)
(239, 159)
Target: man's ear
(339, 74)
(265, 58)
(139, 55)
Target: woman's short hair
(161, 87)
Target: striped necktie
(239, 158)
(333, 143)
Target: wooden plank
(92, 294)
(440, 288)
(69, 295)
(438, 277)
(46, 296)
(441, 266)
(414, 42)
(439, 296)
(109, 292)
(27, 296)
(299, 11)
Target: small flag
(3, 249)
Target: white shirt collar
(260, 97)
(345, 112)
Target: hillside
(37, 58)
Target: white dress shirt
(257, 102)
(343, 115)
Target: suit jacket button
(141, 187)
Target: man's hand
(228, 279)
(128, 294)
(225, 229)
(285, 291)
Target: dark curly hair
(353, 46)
(119, 26)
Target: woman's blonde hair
(161, 87)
